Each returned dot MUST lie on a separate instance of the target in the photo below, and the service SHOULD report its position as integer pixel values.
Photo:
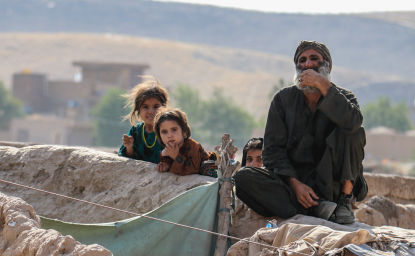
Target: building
(59, 110)
(40, 95)
(386, 143)
(50, 129)
(33, 90)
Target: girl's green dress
(141, 150)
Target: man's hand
(127, 141)
(305, 194)
(162, 167)
(314, 79)
(172, 150)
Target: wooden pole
(226, 166)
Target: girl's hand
(172, 150)
(162, 167)
(127, 141)
(164, 152)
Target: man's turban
(319, 47)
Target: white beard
(324, 70)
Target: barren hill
(365, 42)
(247, 76)
(404, 18)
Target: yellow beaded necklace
(155, 139)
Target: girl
(252, 151)
(145, 101)
(182, 155)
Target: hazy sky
(316, 6)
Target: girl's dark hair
(254, 143)
(171, 114)
(149, 88)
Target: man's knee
(338, 140)
(243, 176)
(264, 195)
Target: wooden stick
(227, 167)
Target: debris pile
(380, 211)
(394, 206)
(21, 234)
(304, 235)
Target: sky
(313, 7)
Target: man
(313, 147)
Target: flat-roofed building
(51, 129)
(32, 89)
(59, 109)
(104, 75)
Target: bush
(107, 117)
(10, 108)
(383, 113)
(209, 120)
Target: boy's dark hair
(171, 114)
(254, 143)
(149, 88)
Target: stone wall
(399, 189)
(136, 186)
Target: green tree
(383, 113)
(10, 108)
(107, 116)
(210, 119)
(276, 87)
(224, 116)
(262, 121)
(189, 101)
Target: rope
(226, 179)
(148, 217)
(224, 210)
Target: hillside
(365, 42)
(247, 76)
(404, 18)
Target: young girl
(182, 155)
(145, 101)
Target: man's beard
(323, 69)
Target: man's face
(310, 59)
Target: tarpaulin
(141, 236)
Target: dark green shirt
(141, 151)
(295, 138)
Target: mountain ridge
(357, 42)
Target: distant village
(58, 111)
